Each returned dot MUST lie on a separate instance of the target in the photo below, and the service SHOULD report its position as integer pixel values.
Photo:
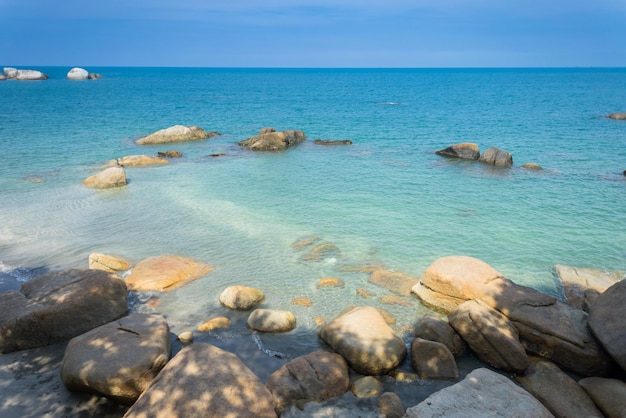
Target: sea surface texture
(386, 200)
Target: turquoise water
(387, 199)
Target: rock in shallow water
(176, 133)
(165, 273)
(465, 150)
(77, 73)
(106, 179)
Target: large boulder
(364, 339)
(58, 306)
(438, 330)
(579, 283)
(394, 281)
(616, 115)
(241, 297)
(28, 75)
(77, 73)
(482, 393)
(10, 72)
(108, 178)
(176, 133)
(314, 377)
(548, 328)
(496, 156)
(557, 391)
(165, 273)
(271, 320)
(607, 321)
(204, 381)
(140, 160)
(452, 280)
(608, 394)
(465, 150)
(433, 360)
(270, 140)
(119, 359)
(490, 335)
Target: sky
(314, 33)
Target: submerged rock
(176, 133)
(497, 157)
(532, 166)
(332, 142)
(165, 273)
(77, 73)
(270, 140)
(169, 154)
(465, 150)
(140, 160)
(617, 116)
(110, 263)
(396, 282)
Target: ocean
(386, 200)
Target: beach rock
(77, 73)
(110, 263)
(108, 178)
(607, 321)
(165, 273)
(465, 150)
(140, 160)
(433, 360)
(241, 297)
(482, 393)
(204, 381)
(29, 75)
(314, 377)
(616, 116)
(332, 142)
(497, 157)
(434, 329)
(169, 154)
(271, 320)
(272, 140)
(557, 391)
(365, 340)
(10, 72)
(452, 280)
(220, 322)
(532, 166)
(117, 360)
(176, 133)
(393, 281)
(366, 387)
(608, 394)
(490, 335)
(390, 405)
(548, 328)
(55, 307)
(578, 281)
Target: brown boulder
(314, 377)
(58, 306)
(607, 321)
(433, 360)
(204, 381)
(140, 160)
(106, 179)
(170, 154)
(110, 263)
(390, 405)
(241, 297)
(465, 150)
(269, 140)
(365, 340)
(271, 320)
(490, 335)
(617, 116)
(434, 329)
(497, 157)
(165, 273)
(176, 133)
(119, 359)
(608, 394)
(557, 391)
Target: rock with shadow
(433, 360)
(270, 140)
(465, 151)
(497, 157)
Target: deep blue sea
(387, 199)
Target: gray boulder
(314, 377)
(10, 72)
(497, 157)
(607, 321)
(490, 335)
(119, 359)
(579, 283)
(204, 381)
(608, 394)
(176, 133)
(77, 73)
(270, 140)
(28, 75)
(58, 306)
(465, 150)
(364, 339)
(557, 391)
(482, 393)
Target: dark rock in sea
(332, 142)
(170, 154)
(465, 150)
(617, 116)
(496, 156)
(217, 154)
(270, 140)
(94, 76)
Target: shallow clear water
(387, 199)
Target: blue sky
(314, 33)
